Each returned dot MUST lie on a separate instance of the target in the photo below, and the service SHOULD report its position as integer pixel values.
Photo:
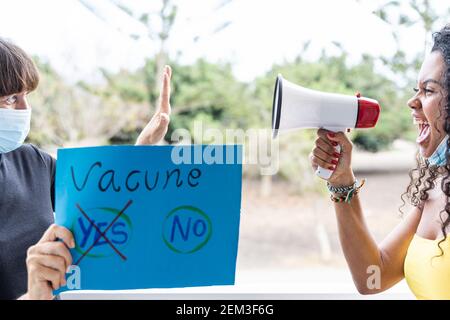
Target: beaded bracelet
(342, 189)
(350, 194)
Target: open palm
(156, 128)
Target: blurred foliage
(115, 110)
(209, 94)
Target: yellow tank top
(427, 275)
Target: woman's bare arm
(364, 256)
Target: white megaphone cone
(295, 107)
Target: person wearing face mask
(418, 249)
(32, 261)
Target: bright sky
(261, 33)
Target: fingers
(56, 263)
(169, 71)
(314, 165)
(327, 159)
(48, 256)
(55, 248)
(323, 135)
(340, 138)
(55, 232)
(161, 128)
(41, 273)
(165, 91)
(48, 260)
(333, 151)
(327, 163)
(325, 152)
(159, 125)
(156, 129)
(164, 120)
(327, 147)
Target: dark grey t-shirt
(26, 211)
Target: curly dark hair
(423, 176)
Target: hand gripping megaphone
(295, 107)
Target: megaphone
(296, 107)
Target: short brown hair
(18, 72)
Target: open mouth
(424, 130)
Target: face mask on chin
(438, 158)
(14, 128)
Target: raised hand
(157, 127)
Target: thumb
(164, 118)
(162, 125)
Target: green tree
(72, 114)
(201, 91)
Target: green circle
(108, 210)
(199, 246)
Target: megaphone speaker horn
(296, 107)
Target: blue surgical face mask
(14, 128)
(438, 158)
